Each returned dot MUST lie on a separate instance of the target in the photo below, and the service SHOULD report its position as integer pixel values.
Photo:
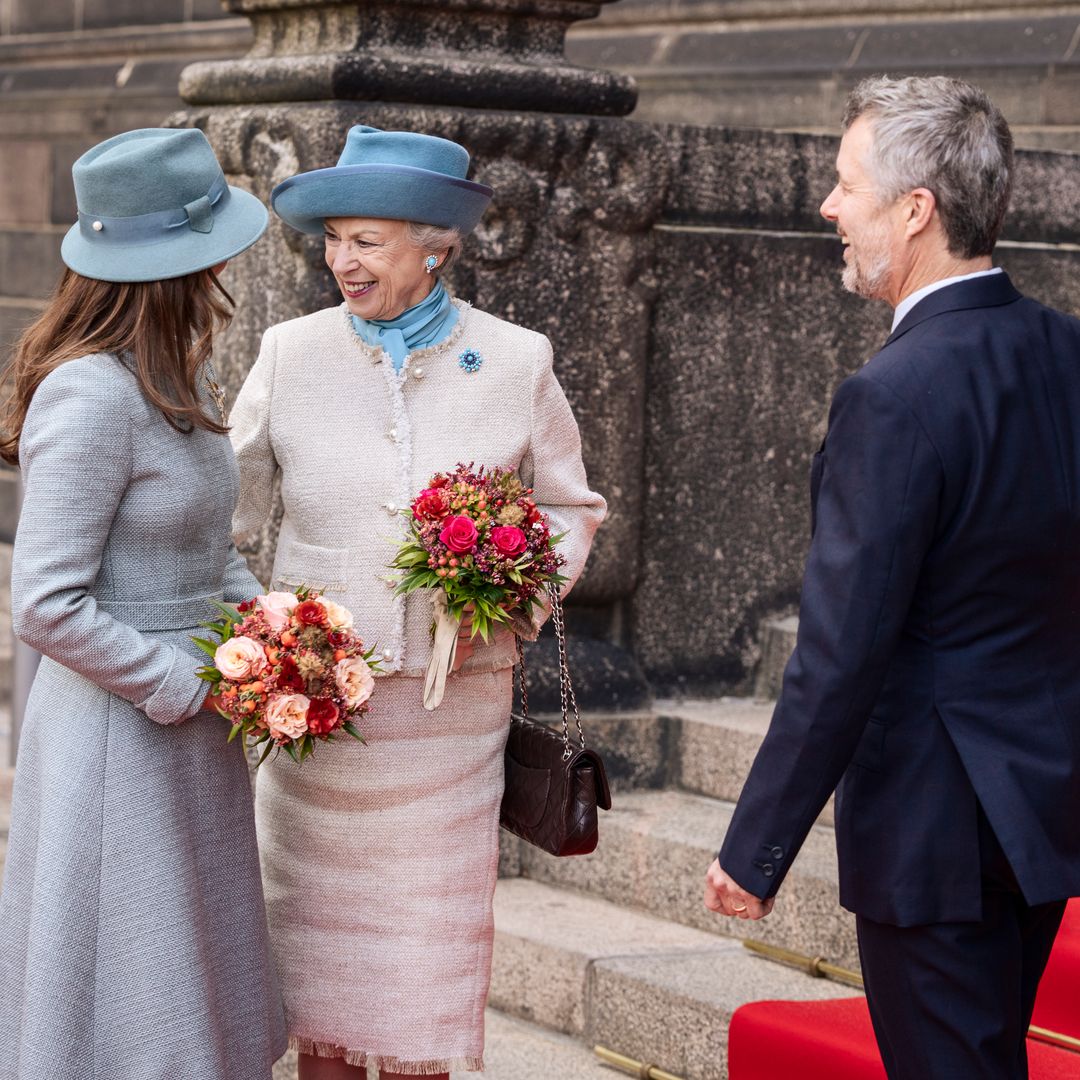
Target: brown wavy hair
(164, 329)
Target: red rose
(322, 716)
(337, 638)
(509, 540)
(532, 512)
(431, 504)
(310, 613)
(459, 534)
(440, 481)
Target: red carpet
(1058, 1004)
(833, 1040)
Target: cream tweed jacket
(353, 442)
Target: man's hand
(726, 897)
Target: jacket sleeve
(877, 510)
(239, 583)
(76, 457)
(553, 468)
(252, 441)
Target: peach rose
(337, 617)
(286, 715)
(240, 658)
(277, 607)
(354, 680)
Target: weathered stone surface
(777, 644)
(746, 356)
(547, 939)
(503, 53)
(604, 676)
(674, 1011)
(30, 261)
(654, 850)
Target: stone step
(655, 847)
(714, 743)
(777, 644)
(640, 985)
(514, 1050)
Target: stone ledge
(654, 850)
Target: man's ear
(919, 208)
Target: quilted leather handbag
(553, 787)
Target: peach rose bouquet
(288, 669)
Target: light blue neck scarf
(424, 324)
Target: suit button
(777, 852)
(768, 869)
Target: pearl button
(97, 226)
(418, 373)
(392, 433)
(387, 654)
(391, 508)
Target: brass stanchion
(822, 969)
(635, 1068)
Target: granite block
(24, 192)
(674, 1011)
(30, 261)
(654, 850)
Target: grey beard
(868, 282)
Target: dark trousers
(953, 1001)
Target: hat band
(152, 228)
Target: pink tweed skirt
(379, 865)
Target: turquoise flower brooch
(470, 361)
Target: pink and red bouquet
(479, 536)
(288, 669)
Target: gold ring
(738, 909)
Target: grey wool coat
(133, 943)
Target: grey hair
(946, 136)
(432, 238)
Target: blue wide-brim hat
(153, 204)
(400, 175)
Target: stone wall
(788, 64)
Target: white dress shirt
(909, 302)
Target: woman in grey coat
(133, 942)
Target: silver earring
(431, 262)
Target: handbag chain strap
(567, 698)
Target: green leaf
(206, 646)
(306, 747)
(350, 728)
(290, 749)
(236, 729)
(266, 753)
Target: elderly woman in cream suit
(379, 861)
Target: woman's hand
(464, 639)
(212, 702)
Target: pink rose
(459, 534)
(240, 658)
(277, 607)
(354, 680)
(286, 715)
(509, 540)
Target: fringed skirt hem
(382, 1061)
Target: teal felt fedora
(153, 204)
(401, 175)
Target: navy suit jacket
(937, 666)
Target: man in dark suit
(937, 672)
